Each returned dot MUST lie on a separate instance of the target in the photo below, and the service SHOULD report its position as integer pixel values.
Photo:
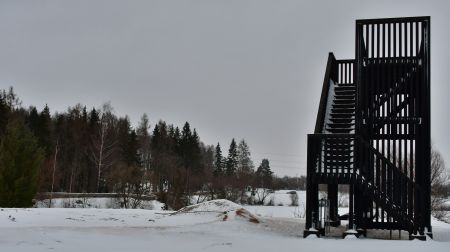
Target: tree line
(95, 151)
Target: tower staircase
(372, 130)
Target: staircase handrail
(331, 63)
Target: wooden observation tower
(372, 131)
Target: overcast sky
(232, 68)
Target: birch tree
(104, 142)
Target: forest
(93, 150)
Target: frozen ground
(214, 226)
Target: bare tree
(104, 142)
(127, 182)
(53, 172)
(439, 181)
(144, 150)
(261, 194)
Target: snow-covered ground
(95, 203)
(211, 226)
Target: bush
(294, 199)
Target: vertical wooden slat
(377, 112)
(389, 109)
(406, 113)
(345, 73)
(382, 114)
(394, 104)
(389, 82)
(417, 39)
(366, 80)
(401, 112)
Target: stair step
(340, 155)
(344, 101)
(340, 125)
(345, 97)
(343, 110)
(338, 149)
(339, 130)
(346, 85)
(344, 105)
(343, 146)
(347, 147)
(342, 120)
(338, 142)
(345, 88)
(345, 92)
(337, 163)
(343, 115)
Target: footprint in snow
(74, 219)
(108, 219)
(219, 244)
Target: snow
(218, 225)
(220, 205)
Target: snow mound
(220, 206)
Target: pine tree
(186, 136)
(20, 159)
(245, 163)
(264, 174)
(177, 139)
(196, 154)
(232, 161)
(218, 162)
(128, 143)
(93, 119)
(32, 120)
(43, 134)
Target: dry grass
(247, 215)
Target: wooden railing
(337, 72)
(330, 154)
(353, 160)
(331, 66)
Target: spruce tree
(232, 160)
(93, 119)
(43, 133)
(264, 174)
(218, 165)
(196, 154)
(20, 160)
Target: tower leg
(333, 198)
(312, 208)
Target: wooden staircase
(372, 130)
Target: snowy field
(211, 226)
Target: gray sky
(232, 68)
